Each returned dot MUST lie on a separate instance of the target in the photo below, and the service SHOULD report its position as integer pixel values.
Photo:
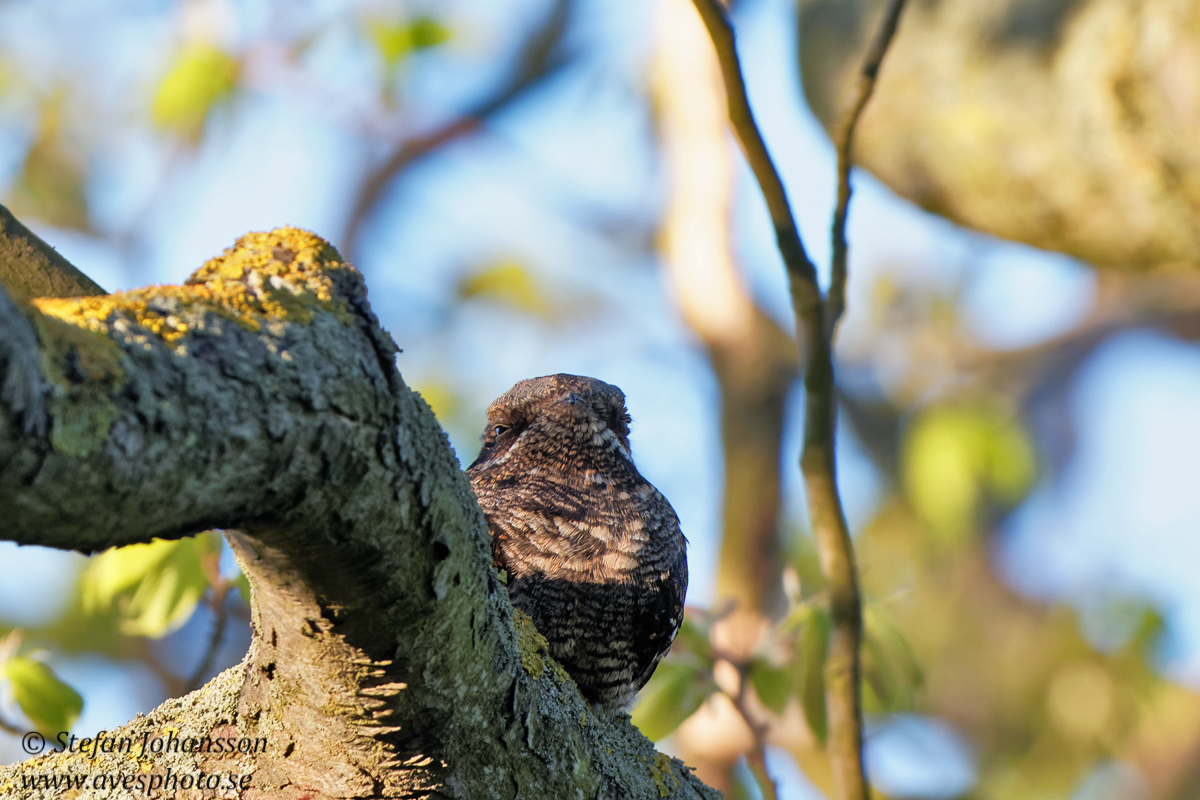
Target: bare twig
(541, 59)
(802, 275)
(220, 620)
(757, 757)
(10, 727)
(844, 140)
(216, 601)
(815, 320)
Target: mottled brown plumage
(593, 552)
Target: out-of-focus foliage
(199, 78)
(1046, 693)
(509, 284)
(51, 705)
(151, 589)
(957, 460)
(396, 40)
(51, 181)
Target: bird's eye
(499, 429)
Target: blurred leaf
(678, 688)
(955, 459)
(813, 645)
(441, 398)
(153, 587)
(799, 616)
(692, 640)
(1148, 633)
(774, 684)
(506, 283)
(889, 668)
(51, 183)
(396, 41)
(802, 556)
(200, 76)
(51, 705)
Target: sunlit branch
(843, 139)
(815, 319)
(31, 268)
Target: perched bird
(593, 552)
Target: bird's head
(569, 420)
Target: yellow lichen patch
(286, 274)
(95, 313)
(287, 270)
(661, 772)
(534, 649)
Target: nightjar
(593, 552)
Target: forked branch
(816, 318)
(864, 86)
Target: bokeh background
(543, 187)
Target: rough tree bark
(1070, 125)
(262, 396)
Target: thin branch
(864, 86)
(757, 757)
(815, 320)
(541, 59)
(802, 275)
(10, 727)
(220, 591)
(830, 531)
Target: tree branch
(540, 60)
(802, 275)
(31, 268)
(263, 396)
(815, 319)
(843, 140)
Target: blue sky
(1124, 513)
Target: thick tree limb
(262, 395)
(1060, 124)
(31, 268)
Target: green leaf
(773, 684)
(200, 76)
(889, 667)
(51, 705)
(396, 41)
(506, 283)
(440, 396)
(153, 588)
(813, 644)
(692, 640)
(51, 183)
(955, 459)
(677, 689)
